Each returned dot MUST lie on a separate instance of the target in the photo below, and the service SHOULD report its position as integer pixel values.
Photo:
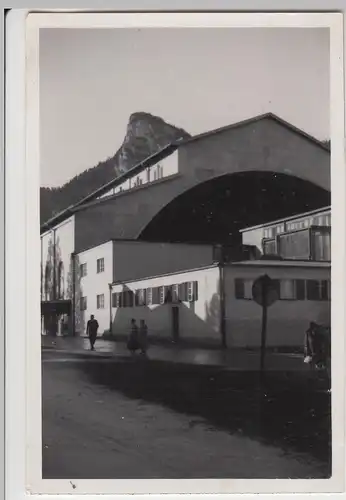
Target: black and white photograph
(185, 252)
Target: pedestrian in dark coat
(92, 327)
(143, 336)
(133, 342)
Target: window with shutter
(195, 290)
(149, 296)
(300, 289)
(183, 292)
(162, 295)
(312, 290)
(175, 294)
(168, 294)
(156, 295)
(114, 300)
(190, 291)
(287, 290)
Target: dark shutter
(195, 290)
(312, 290)
(324, 290)
(183, 292)
(156, 295)
(114, 299)
(168, 294)
(300, 289)
(239, 289)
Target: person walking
(92, 327)
(133, 343)
(143, 337)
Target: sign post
(264, 293)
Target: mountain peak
(145, 135)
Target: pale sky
(199, 79)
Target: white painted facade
(197, 319)
(200, 319)
(166, 167)
(288, 318)
(92, 286)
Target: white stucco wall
(93, 284)
(198, 320)
(164, 168)
(287, 319)
(139, 259)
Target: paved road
(120, 429)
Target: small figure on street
(316, 347)
(92, 327)
(133, 342)
(143, 337)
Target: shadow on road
(289, 412)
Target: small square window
(83, 304)
(83, 270)
(100, 265)
(100, 301)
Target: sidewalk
(237, 359)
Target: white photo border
(23, 259)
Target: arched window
(61, 281)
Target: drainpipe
(54, 264)
(222, 305)
(41, 269)
(73, 257)
(110, 310)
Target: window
(83, 304)
(243, 288)
(175, 293)
(148, 174)
(149, 296)
(116, 299)
(100, 265)
(127, 298)
(292, 289)
(100, 301)
(192, 290)
(269, 247)
(141, 296)
(162, 295)
(318, 290)
(83, 270)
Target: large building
(173, 212)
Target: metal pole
(222, 307)
(264, 329)
(110, 310)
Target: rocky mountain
(145, 135)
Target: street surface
(108, 418)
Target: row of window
(100, 267)
(288, 289)
(321, 220)
(100, 302)
(182, 292)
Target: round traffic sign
(265, 291)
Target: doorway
(175, 324)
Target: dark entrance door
(175, 323)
